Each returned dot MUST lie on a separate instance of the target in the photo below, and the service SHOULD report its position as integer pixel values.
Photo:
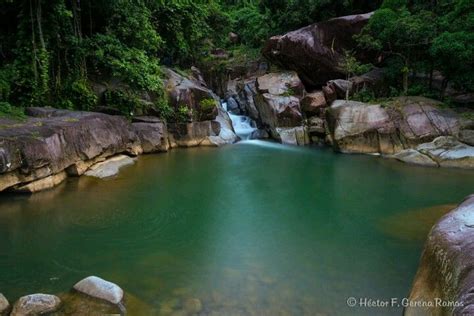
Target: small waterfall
(243, 125)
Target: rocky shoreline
(51, 144)
(90, 296)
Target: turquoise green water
(249, 229)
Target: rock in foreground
(446, 270)
(101, 289)
(36, 304)
(4, 305)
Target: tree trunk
(444, 86)
(33, 43)
(430, 84)
(405, 82)
(40, 28)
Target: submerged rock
(36, 304)
(413, 224)
(4, 305)
(446, 270)
(101, 289)
(192, 305)
(109, 167)
(79, 304)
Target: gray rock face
(281, 83)
(153, 136)
(36, 304)
(467, 136)
(188, 92)
(278, 100)
(449, 152)
(315, 51)
(297, 136)
(446, 269)
(413, 156)
(316, 125)
(193, 134)
(404, 123)
(313, 103)
(101, 289)
(109, 167)
(4, 305)
(53, 140)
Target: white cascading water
(243, 125)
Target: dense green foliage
(66, 53)
(418, 37)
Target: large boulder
(189, 92)
(445, 276)
(278, 100)
(52, 140)
(36, 304)
(389, 128)
(316, 51)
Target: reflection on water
(253, 229)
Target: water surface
(250, 229)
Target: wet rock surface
(36, 304)
(100, 288)
(4, 305)
(446, 269)
(109, 167)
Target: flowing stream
(243, 125)
(254, 228)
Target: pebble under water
(254, 228)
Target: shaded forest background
(52, 50)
